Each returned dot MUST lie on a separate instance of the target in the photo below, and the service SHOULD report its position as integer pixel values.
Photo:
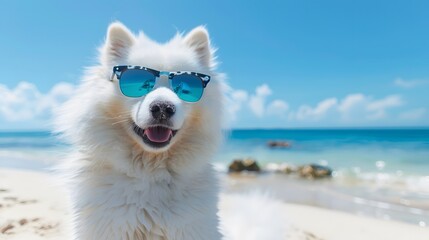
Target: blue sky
(289, 63)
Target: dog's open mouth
(155, 136)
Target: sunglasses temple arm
(112, 78)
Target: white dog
(141, 166)
(140, 169)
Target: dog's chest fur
(152, 205)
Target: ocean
(382, 172)
(390, 151)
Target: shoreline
(36, 208)
(331, 194)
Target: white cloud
(351, 101)
(352, 108)
(257, 100)
(413, 114)
(356, 108)
(235, 100)
(25, 102)
(239, 95)
(306, 112)
(409, 83)
(277, 107)
(378, 108)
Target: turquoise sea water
(401, 151)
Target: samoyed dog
(144, 124)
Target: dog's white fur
(122, 188)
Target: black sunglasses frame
(120, 69)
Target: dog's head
(158, 123)
(157, 128)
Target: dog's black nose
(162, 110)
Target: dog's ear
(118, 42)
(199, 40)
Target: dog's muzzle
(159, 131)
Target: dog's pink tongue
(158, 134)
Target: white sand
(333, 225)
(31, 207)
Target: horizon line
(270, 128)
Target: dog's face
(157, 120)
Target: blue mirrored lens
(188, 87)
(136, 82)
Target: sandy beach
(32, 206)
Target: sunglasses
(136, 81)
